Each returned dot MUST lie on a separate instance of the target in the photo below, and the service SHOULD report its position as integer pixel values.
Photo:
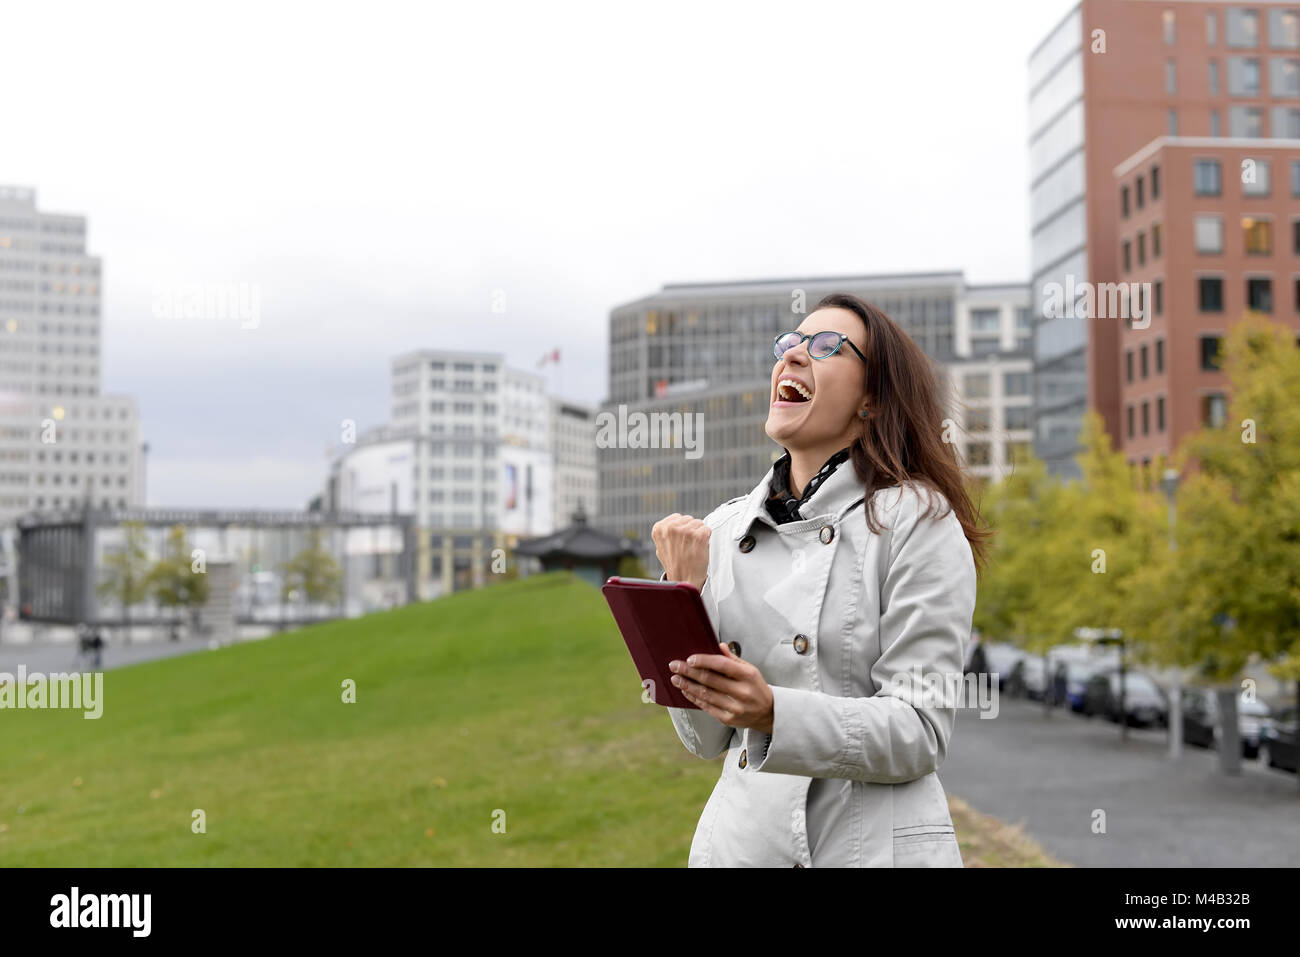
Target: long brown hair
(902, 436)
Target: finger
(732, 691)
(726, 664)
(721, 706)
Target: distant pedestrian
(979, 662)
(1059, 684)
(97, 647)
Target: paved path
(1049, 774)
(56, 656)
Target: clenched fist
(682, 544)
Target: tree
(174, 581)
(1234, 594)
(126, 572)
(312, 573)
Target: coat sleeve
(702, 734)
(927, 602)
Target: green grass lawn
(519, 698)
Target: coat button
(801, 644)
(743, 760)
(734, 646)
(827, 533)
(747, 543)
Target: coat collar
(836, 493)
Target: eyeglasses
(823, 345)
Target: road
(1051, 774)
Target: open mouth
(788, 390)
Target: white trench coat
(830, 612)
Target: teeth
(794, 385)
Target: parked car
(1145, 703)
(1278, 740)
(1035, 677)
(1201, 720)
(1002, 660)
(1077, 675)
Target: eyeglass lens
(821, 345)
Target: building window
(1017, 417)
(1168, 18)
(1255, 180)
(1155, 183)
(1214, 410)
(1295, 178)
(1259, 295)
(1210, 290)
(1284, 29)
(1208, 177)
(1160, 356)
(1242, 27)
(1158, 288)
(1258, 236)
(1214, 123)
(977, 420)
(1246, 121)
(1015, 383)
(1171, 77)
(1128, 414)
(977, 385)
(1286, 123)
(1146, 417)
(1128, 256)
(1160, 413)
(1284, 77)
(1128, 366)
(1171, 122)
(1214, 78)
(1295, 237)
(984, 320)
(1142, 249)
(1123, 201)
(1209, 234)
(977, 453)
(1243, 76)
(1141, 194)
(1143, 364)
(1211, 29)
(1210, 359)
(1155, 240)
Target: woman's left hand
(727, 687)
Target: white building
(573, 443)
(61, 441)
(990, 378)
(474, 452)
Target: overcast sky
(379, 170)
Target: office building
(700, 355)
(1212, 225)
(62, 442)
(1108, 80)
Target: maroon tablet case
(661, 621)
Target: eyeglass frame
(804, 337)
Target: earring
(864, 413)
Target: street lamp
(1169, 484)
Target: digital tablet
(661, 621)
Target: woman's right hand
(682, 544)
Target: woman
(842, 590)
